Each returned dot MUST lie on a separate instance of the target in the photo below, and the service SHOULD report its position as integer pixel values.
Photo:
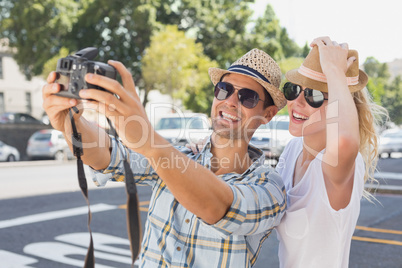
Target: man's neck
(229, 155)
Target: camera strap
(133, 212)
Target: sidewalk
(388, 182)
(32, 178)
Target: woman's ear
(270, 112)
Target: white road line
(55, 215)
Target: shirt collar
(255, 154)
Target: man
(212, 209)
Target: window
(28, 102)
(2, 104)
(1, 67)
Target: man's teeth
(299, 116)
(229, 116)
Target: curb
(33, 163)
(386, 187)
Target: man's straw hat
(259, 66)
(310, 74)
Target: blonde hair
(370, 117)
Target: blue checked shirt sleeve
(258, 205)
(142, 170)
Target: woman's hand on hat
(333, 56)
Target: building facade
(17, 94)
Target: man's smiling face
(230, 119)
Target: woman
(324, 169)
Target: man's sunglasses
(313, 97)
(248, 98)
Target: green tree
(199, 96)
(36, 29)
(376, 69)
(289, 64)
(122, 29)
(269, 36)
(305, 50)
(51, 64)
(40, 28)
(174, 64)
(378, 78)
(219, 25)
(392, 100)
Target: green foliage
(168, 61)
(376, 87)
(385, 92)
(289, 64)
(36, 28)
(392, 100)
(270, 37)
(51, 64)
(220, 25)
(305, 50)
(122, 30)
(199, 96)
(174, 64)
(375, 69)
(378, 78)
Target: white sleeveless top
(311, 233)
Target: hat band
(320, 77)
(247, 71)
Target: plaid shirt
(175, 237)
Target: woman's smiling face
(304, 119)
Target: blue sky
(371, 27)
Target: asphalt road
(43, 218)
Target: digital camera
(73, 68)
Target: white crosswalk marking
(12, 260)
(55, 215)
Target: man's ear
(269, 112)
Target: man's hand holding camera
(134, 129)
(57, 107)
(126, 112)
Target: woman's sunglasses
(313, 97)
(248, 98)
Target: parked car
(48, 144)
(8, 153)
(182, 128)
(390, 142)
(272, 137)
(264, 143)
(19, 118)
